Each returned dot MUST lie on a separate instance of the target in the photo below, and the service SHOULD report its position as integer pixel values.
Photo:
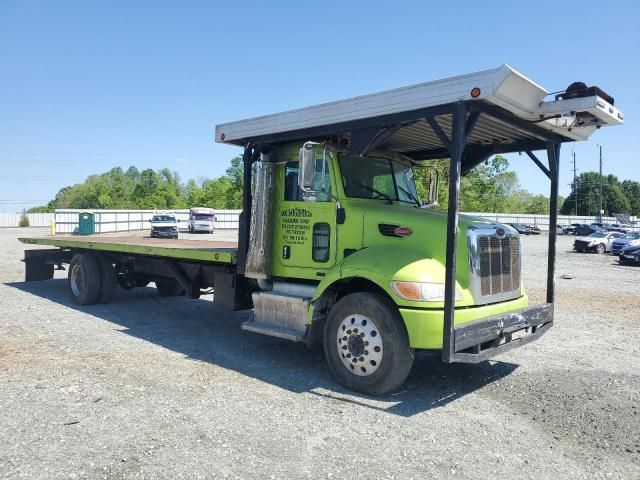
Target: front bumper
(584, 247)
(164, 234)
(202, 228)
(480, 332)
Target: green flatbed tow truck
(335, 248)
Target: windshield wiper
(410, 196)
(377, 192)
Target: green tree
(631, 190)
(24, 219)
(616, 197)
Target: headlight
(421, 291)
(174, 228)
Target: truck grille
(499, 264)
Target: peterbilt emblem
(402, 231)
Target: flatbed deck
(196, 250)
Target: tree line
(150, 190)
(617, 196)
(490, 187)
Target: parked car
(164, 225)
(630, 253)
(533, 229)
(616, 227)
(619, 244)
(571, 229)
(561, 230)
(201, 220)
(596, 242)
(520, 228)
(584, 230)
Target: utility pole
(601, 192)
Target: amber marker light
(408, 290)
(475, 92)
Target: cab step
(274, 331)
(279, 314)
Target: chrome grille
(499, 264)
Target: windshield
(203, 217)
(378, 178)
(632, 236)
(598, 235)
(163, 218)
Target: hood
(589, 239)
(428, 232)
(621, 241)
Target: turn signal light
(407, 290)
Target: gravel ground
(149, 387)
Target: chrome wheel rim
(359, 345)
(77, 280)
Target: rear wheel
(169, 288)
(366, 344)
(84, 279)
(601, 248)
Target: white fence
(127, 220)
(35, 219)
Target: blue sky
(85, 86)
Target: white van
(164, 225)
(201, 220)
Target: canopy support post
(458, 140)
(553, 154)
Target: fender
(380, 265)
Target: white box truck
(201, 220)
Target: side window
(321, 242)
(318, 180)
(292, 192)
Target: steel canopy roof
(503, 109)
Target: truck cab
(349, 234)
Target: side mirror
(434, 180)
(307, 166)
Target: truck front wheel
(84, 279)
(366, 344)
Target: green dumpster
(87, 223)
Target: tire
(601, 248)
(108, 279)
(377, 326)
(84, 279)
(169, 288)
